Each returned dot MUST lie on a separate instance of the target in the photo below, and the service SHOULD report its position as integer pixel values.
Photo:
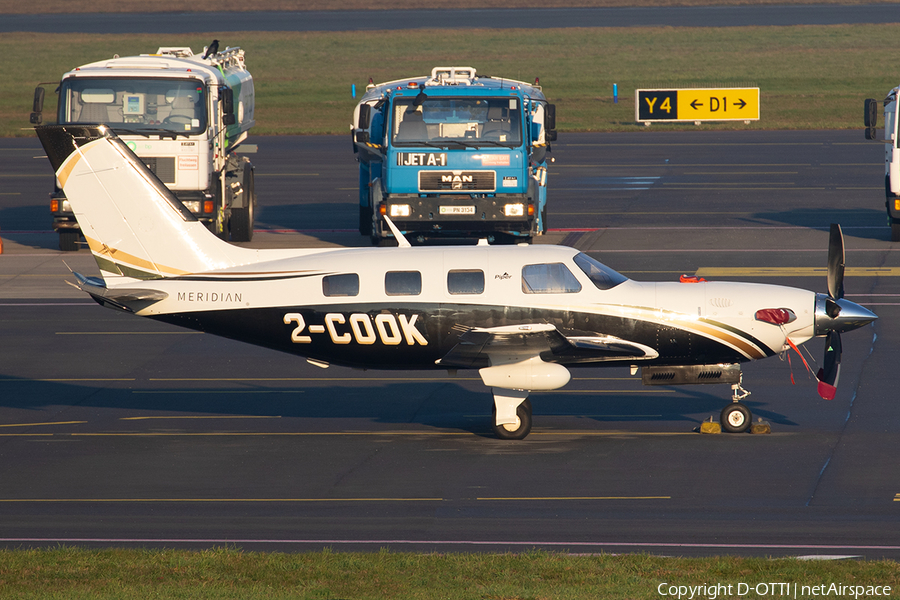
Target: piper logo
(391, 330)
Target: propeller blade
(836, 262)
(831, 367)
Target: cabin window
(402, 283)
(465, 281)
(602, 276)
(345, 284)
(549, 278)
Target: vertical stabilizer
(136, 228)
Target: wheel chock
(761, 427)
(710, 427)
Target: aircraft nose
(840, 315)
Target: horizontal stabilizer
(121, 298)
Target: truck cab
(185, 115)
(891, 153)
(453, 154)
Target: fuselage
(406, 308)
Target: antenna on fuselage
(402, 242)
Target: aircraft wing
(121, 298)
(544, 340)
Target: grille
(459, 181)
(162, 166)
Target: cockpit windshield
(602, 276)
(465, 121)
(176, 105)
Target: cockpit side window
(602, 276)
(549, 278)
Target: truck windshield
(176, 105)
(467, 121)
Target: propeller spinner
(834, 315)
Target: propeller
(836, 265)
(831, 367)
(833, 316)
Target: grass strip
(75, 574)
(177, 6)
(810, 77)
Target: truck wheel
(242, 218)
(365, 220)
(68, 240)
(895, 231)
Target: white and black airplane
(522, 315)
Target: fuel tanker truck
(185, 115)
(453, 154)
(890, 106)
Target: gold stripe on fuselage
(696, 325)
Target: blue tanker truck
(453, 155)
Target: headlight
(192, 205)
(514, 210)
(400, 210)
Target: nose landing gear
(736, 417)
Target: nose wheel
(736, 417)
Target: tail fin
(136, 228)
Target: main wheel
(735, 418)
(517, 430)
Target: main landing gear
(511, 418)
(736, 417)
(512, 414)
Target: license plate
(457, 210)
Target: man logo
(456, 180)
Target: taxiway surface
(118, 431)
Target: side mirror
(38, 106)
(362, 124)
(365, 113)
(550, 117)
(870, 118)
(227, 96)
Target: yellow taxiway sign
(697, 104)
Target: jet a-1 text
(523, 316)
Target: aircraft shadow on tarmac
(441, 405)
(868, 223)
